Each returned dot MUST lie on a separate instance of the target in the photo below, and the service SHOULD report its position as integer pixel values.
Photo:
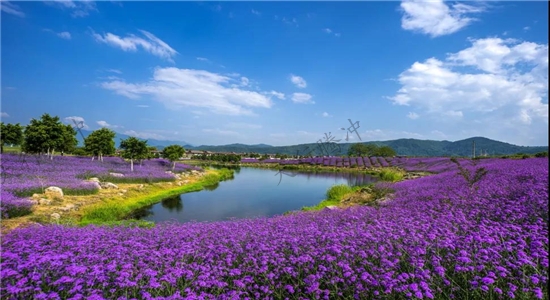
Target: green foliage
(134, 149)
(392, 175)
(221, 157)
(360, 149)
(541, 154)
(336, 192)
(47, 135)
(173, 153)
(10, 134)
(79, 151)
(100, 142)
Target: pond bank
(112, 206)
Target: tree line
(48, 135)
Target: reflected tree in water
(173, 204)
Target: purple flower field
(445, 236)
(426, 164)
(24, 175)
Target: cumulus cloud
(64, 35)
(105, 124)
(78, 120)
(298, 81)
(150, 43)
(503, 82)
(178, 88)
(302, 98)
(277, 94)
(4, 115)
(435, 18)
(255, 12)
(12, 9)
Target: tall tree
(46, 135)
(10, 134)
(385, 151)
(134, 149)
(100, 142)
(173, 153)
(68, 142)
(360, 149)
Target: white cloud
(257, 13)
(143, 106)
(526, 28)
(151, 44)
(4, 115)
(292, 21)
(326, 114)
(77, 8)
(435, 18)
(105, 124)
(302, 98)
(244, 81)
(178, 88)
(64, 35)
(145, 135)
(412, 115)
(277, 94)
(12, 9)
(298, 81)
(439, 134)
(330, 31)
(79, 121)
(502, 84)
(203, 59)
(115, 71)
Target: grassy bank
(117, 208)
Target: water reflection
(173, 204)
(252, 193)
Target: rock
(36, 196)
(140, 186)
(185, 181)
(123, 191)
(168, 172)
(54, 192)
(194, 171)
(332, 207)
(168, 183)
(68, 207)
(33, 201)
(178, 176)
(116, 174)
(55, 216)
(44, 201)
(94, 179)
(108, 185)
(179, 183)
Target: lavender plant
(435, 239)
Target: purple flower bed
(12, 206)
(443, 236)
(24, 175)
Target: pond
(252, 193)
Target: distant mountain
(409, 147)
(160, 144)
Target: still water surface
(252, 193)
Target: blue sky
(281, 73)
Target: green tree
(47, 135)
(134, 149)
(360, 149)
(10, 134)
(173, 153)
(100, 142)
(385, 151)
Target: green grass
(118, 208)
(392, 175)
(334, 196)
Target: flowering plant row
(478, 234)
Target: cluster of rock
(181, 176)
